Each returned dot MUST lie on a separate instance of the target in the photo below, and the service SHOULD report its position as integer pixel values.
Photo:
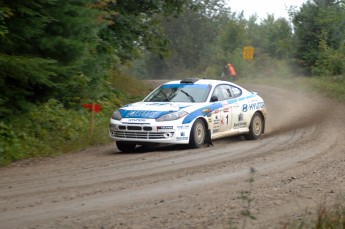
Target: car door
(222, 117)
(237, 109)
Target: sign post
(95, 108)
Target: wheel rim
(199, 133)
(257, 125)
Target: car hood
(153, 110)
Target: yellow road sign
(248, 52)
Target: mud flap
(208, 140)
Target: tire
(125, 147)
(198, 134)
(256, 127)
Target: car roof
(198, 81)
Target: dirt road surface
(299, 163)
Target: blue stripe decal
(251, 96)
(210, 108)
(191, 116)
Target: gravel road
(298, 164)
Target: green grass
(326, 217)
(327, 86)
(50, 129)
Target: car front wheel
(256, 127)
(198, 134)
(125, 147)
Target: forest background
(56, 55)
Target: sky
(264, 7)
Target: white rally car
(190, 111)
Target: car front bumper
(150, 131)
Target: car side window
(227, 91)
(223, 92)
(218, 92)
(237, 92)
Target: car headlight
(172, 116)
(116, 115)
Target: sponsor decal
(216, 111)
(216, 121)
(182, 134)
(141, 114)
(136, 120)
(210, 120)
(181, 138)
(226, 109)
(244, 107)
(252, 106)
(222, 122)
(256, 106)
(240, 117)
(240, 125)
(206, 110)
(183, 127)
(164, 127)
(216, 129)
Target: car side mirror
(214, 98)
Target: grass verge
(50, 129)
(333, 88)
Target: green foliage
(64, 49)
(195, 38)
(332, 87)
(134, 26)
(330, 62)
(51, 128)
(276, 37)
(19, 80)
(47, 47)
(56, 55)
(47, 129)
(127, 88)
(318, 22)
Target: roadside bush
(44, 130)
(51, 129)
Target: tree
(21, 71)
(317, 20)
(134, 26)
(63, 49)
(194, 37)
(277, 37)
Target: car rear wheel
(256, 127)
(125, 147)
(198, 134)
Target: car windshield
(180, 93)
